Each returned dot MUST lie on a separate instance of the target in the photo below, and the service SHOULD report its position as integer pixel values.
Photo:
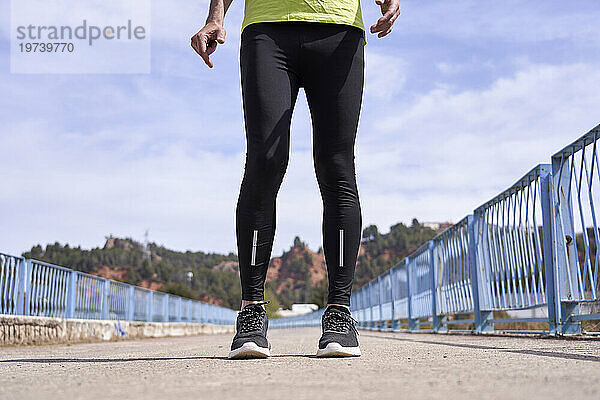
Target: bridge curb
(25, 330)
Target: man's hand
(206, 40)
(390, 10)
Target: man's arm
(390, 10)
(206, 40)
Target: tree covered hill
(159, 268)
(297, 276)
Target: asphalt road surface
(393, 366)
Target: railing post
(28, 280)
(566, 264)
(105, 292)
(380, 297)
(370, 297)
(435, 319)
(131, 308)
(166, 308)
(393, 298)
(552, 301)
(411, 322)
(363, 306)
(24, 288)
(359, 307)
(178, 309)
(150, 309)
(71, 295)
(480, 318)
(190, 310)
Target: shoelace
(337, 321)
(250, 318)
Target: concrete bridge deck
(394, 366)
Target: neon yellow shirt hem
(308, 17)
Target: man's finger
(193, 44)
(201, 45)
(196, 44)
(380, 28)
(376, 27)
(203, 53)
(221, 36)
(382, 25)
(395, 17)
(382, 34)
(206, 59)
(212, 46)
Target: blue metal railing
(533, 247)
(310, 319)
(36, 288)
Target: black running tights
(276, 59)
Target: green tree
(273, 306)
(179, 289)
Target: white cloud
(384, 75)
(508, 107)
(511, 21)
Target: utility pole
(147, 253)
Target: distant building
(436, 226)
(297, 309)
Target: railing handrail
(47, 264)
(591, 136)
(449, 230)
(518, 185)
(10, 255)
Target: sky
(461, 99)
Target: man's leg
(334, 84)
(269, 91)
(334, 74)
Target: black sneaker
(250, 340)
(339, 338)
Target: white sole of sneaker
(337, 350)
(249, 350)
